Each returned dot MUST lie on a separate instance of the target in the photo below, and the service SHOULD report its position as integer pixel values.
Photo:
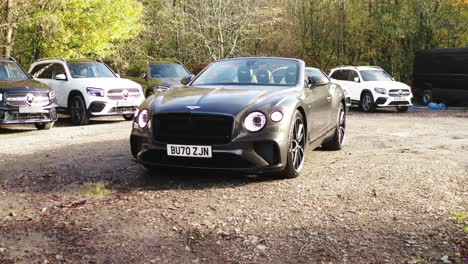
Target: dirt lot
(74, 195)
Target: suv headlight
(51, 95)
(143, 118)
(95, 91)
(255, 121)
(380, 90)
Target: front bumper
(245, 154)
(388, 101)
(13, 115)
(108, 108)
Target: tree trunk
(8, 28)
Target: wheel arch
(73, 94)
(365, 91)
(304, 116)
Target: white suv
(371, 87)
(86, 88)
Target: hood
(108, 83)
(213, 100)
(169, 82)
(387, 85)
(29, 85)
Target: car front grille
(123, 94)
(27, 99)
(399, 103)
(189, 128)
(396, 92)
(218, 161)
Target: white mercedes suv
(86, 88)
(371, 87)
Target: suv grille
(123, 94)
(188, 128)
(27, 99)
(396, 92)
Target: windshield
(11, 71)
(251, 71)
(168, 71)
(90, 70)
(375, 75)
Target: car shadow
(65, 121)
(194, 179)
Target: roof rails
(51, 58)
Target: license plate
(30, 110)
(124, 103)
(189, 151)
(399, 99)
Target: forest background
(324, 33)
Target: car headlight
(380, 90)
(276, 116)
(255, 121)
(51, 95)
(143, 118)
(95, 91)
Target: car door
(62, 87)
(318, 107)
(355, 87)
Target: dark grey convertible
(253, 115)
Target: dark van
(441, 75)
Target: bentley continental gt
(251, 115)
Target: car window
(317, 74)
(57, 69)
(352, 75)
(11, 70)
(251, 72)
(90, 70)
(168, 71)
(339, 75)
(43, 71)
(375, 75)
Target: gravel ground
(74, 195)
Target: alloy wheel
(367, 101)
(77, 109)
(342, 127)
(297, 145)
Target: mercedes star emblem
(30, 99)
(125, 94)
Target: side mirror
(311, 82)
(61, 77)
(186, 80)
(356, 79)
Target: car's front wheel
(427, 97)
(402, 109)
(336, 143)
(367, 102)
(128, 117)
(78, 112)
(296, 148)
(44, 126)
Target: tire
(367, 103)
(44, 126)
(128, 117)
(296, 148)
(78, 112)
(337, 141)
(402, 109)
(427, 97)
